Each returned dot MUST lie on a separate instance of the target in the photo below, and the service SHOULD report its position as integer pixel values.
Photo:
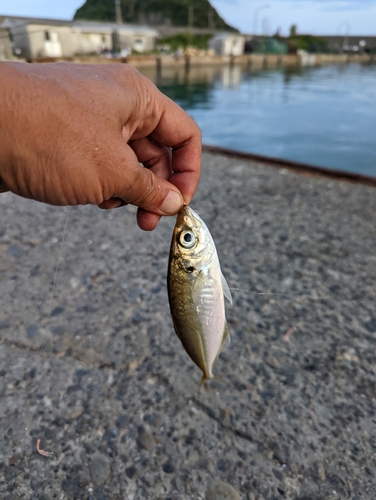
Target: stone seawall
(250, 60)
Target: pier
(92, 368)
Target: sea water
(323, 116)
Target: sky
(318, 17)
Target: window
(47, 36)
(138, 44)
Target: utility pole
(347, 26)
(210, 19)
(118, 12)
(255, 16)
(190, 17)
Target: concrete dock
(92, 368)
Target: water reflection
(190, 87)
(231, 76)
(317, 115)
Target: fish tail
(205, 377)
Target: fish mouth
(187, 215)
(185, 211)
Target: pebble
(145, 439)
(131, 472)
(99, 469)
(219, 490)
(168, 468)
(74, 412)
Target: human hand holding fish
(78, 134)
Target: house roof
(10, 22)
(15, 21)
(90, 26)
(225, 35)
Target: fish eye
(187, 239)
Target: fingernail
(172, 203)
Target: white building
(227, 44)
(92, 37)
(6, 51)
(40, 38)
(48, 38)
(138, 38)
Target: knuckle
(161, 158)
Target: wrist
(8, 107)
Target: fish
(196, 290)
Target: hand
(77, 134)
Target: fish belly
(199, 319)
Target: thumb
(139, 186)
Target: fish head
(192, 244)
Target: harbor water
(324, 116)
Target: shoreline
(292, 165)
(249, 60)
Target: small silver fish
(196, 290)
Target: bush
(184, 40)
(309, 43)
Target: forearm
(28, 101)
(8, 91)
(15, 105)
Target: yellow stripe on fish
(196, 290)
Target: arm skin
(76, 134)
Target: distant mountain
(155, 13)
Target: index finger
(3, 187)
(177, 130)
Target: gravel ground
(94, 370)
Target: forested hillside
(156, 12)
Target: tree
(293, 30)
(155, 12)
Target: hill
(155, 13)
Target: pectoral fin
(226, 290)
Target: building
(6, 51)
(94, 37)
(34, 38)
(137, 38)
(40, 38)
(227, 44)
(351, 43)
(264, 45)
